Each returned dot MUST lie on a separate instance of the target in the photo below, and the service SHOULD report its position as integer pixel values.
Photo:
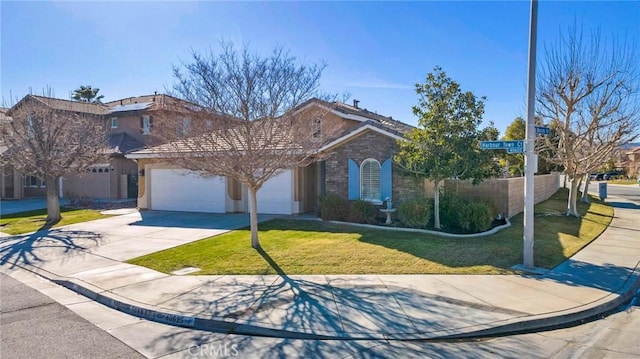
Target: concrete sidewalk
(88, 258)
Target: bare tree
(248, 125)
(50, 138)
(588, 92)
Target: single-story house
(357, 165)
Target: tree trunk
(53, 201)
(255, 243)
(580, 178)
(436, 204)
(572, 203)
(585, 192)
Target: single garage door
(183, 190)
(276, 195)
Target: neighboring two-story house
(131, 128)
(357, 164)
(630, 160)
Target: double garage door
(183, 190)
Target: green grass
(313, 247)
(624, 181)
(30, 221)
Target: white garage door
(276, 195)
(182, 190)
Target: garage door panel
(183, 190)
(276, 194)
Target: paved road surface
(630, 192)
(35, 326)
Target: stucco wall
(90, 185)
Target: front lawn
(314, 247)
(32, 221)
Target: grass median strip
(314, 247)
(31, 221)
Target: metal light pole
(529, 155)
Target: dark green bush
(474, 217)
(460, 214)
(416, 212)
(362, 212)
(450, 204)
(334, 208)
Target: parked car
(596, 176)
(611, 175)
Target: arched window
(370, 180)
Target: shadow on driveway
(197, 220)
(34, 248)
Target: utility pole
(529, 155)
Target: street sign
(515, 146)
(542, 130)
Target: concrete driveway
(118, 238)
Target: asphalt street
(35, 326)
(630, 192)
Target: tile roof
(123, 143)
(143, 102)
(384, 122)
(366, 118)
(68, 105)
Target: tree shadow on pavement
(627, 205)
(350, 317)
(336, 308)
(35, 248)
(607, 277)
(199, 220)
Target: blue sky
(375, 51)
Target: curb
(493, 230)
(564, 318)
(514, 326)
(193, 322)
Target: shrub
(450, 204)
(416, 212)
(457, 213)
(334, 208)
(362, 212)
(474, 217)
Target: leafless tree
(249, 124)
(50, 142)
(588, 91)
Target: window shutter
(386, 189)
(150, 123)
(141, 122)
(354, 180)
